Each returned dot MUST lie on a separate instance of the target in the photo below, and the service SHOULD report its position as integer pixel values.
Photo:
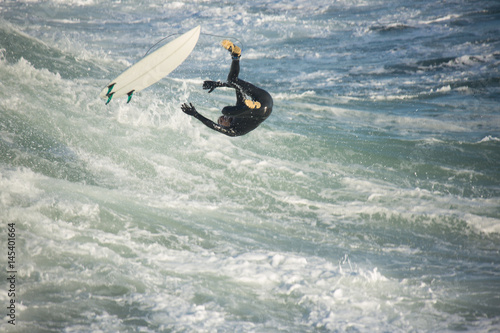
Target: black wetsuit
(243, 119)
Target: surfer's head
(225, 121)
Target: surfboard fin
(110, 87)
(130, 96)
(110, 97)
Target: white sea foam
(489, 138)
(441, 19)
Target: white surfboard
(153, 67)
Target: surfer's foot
(252, 104)
(235, 50)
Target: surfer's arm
(190, 110)
(211, 85)
(216, 127)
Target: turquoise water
(368, 201)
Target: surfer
(247, 114)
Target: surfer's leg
(259, 96)
(232, 79)
(242, 87)
(234, 71)
(235, 64)
(255, 93)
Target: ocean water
(369, 201)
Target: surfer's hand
(188, 109)
(210, 86)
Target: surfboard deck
(152, 67)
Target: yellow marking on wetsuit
(252, 104)
(228, 45)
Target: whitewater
(369, 201)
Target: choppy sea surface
(369, 201)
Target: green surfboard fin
(130, 96)
(109, 99)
